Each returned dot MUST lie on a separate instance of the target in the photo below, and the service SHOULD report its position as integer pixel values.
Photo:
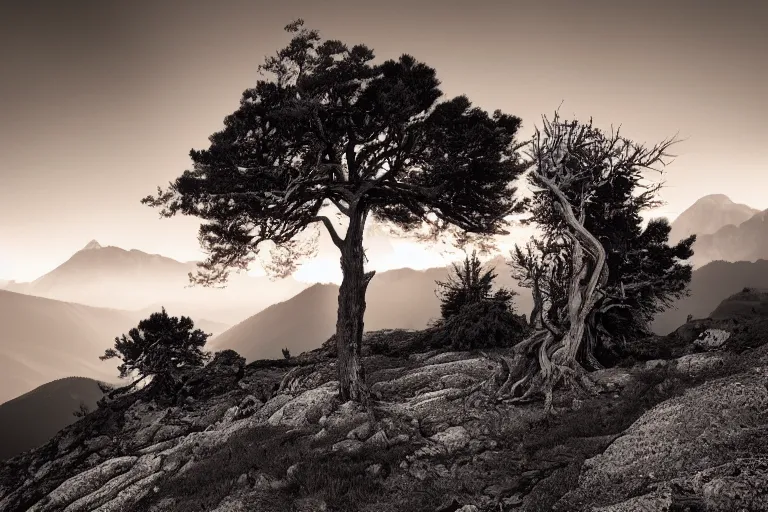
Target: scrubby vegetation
(473, 314)
(162, 348)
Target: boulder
(348, 446)
(611, 379)
(694, 364)
(707, 427)
(452, 438)
(712, 339)
(308, 407)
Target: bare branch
(337, 240)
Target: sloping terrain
(396, 299)
(679, 432)
(710, 285)
(707, 215)
(747, 241)
(33, 418)
(43, 340)
(134, 280)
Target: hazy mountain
(134, 280)
(403, 298)
(746, 242)
(710, 285)
(34, 417)
(707, 215)
(42, 340)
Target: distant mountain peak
(716, 198)
(93, 244)
(707, 215)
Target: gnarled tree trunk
(349, 323)
(551, 354)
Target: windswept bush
(161, 347)
(483, 324)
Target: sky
(100, 102)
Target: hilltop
(33, 418)
(676, 424)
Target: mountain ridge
(708, 214)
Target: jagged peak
(93, 244)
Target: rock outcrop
(274, 436)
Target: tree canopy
(159, 347)
(597, 275)
(330, 128)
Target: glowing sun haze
(102, 101)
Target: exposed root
(538, 366)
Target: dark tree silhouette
(160, 347)
(468, 283)
(333, 129)
(472, 315)
(597, 276)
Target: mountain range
(133, 280)
(724, 230)
(707, 215)
(43, 339)
(52, 329)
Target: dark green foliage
(473, 316)
(160, 347)
(468, 284)
(484, 324)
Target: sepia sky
(100, 102)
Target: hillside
(710, 285)
(707, 215)
(747, 241)
(134, 280)
(33, 418)
(668, 432)
(42, 340)
(402, 298)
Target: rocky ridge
(681, 429)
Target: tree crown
(159, 345)
(331, 128)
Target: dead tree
(586, 186)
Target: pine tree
(160, 347)
(466, 285)
(331, 129)
(598, 277)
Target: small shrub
(485, 324)
(286, 353)
(161, 347)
